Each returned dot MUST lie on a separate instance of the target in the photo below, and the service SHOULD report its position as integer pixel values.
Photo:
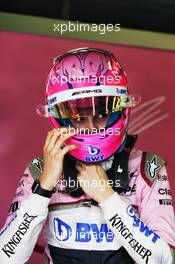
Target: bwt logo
(141, 226)
(84, 232)
(93, 150)
(95, 158)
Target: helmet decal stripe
(82, 92)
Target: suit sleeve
(150, 235)
(24, 222)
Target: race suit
(136, 225)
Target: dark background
(151, 15)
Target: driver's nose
(89, 122)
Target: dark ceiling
(152, 15)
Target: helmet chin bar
(114, 117)
(122, 146)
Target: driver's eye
(102, 116)
(79, 119)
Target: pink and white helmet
(89, 82)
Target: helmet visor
(92, 106)
(85, 107)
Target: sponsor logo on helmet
(93, 150)
(95, 158)
(87, 92)
(52, 100)
(121, 91)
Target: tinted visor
(84, 107)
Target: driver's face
(91, 122)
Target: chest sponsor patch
(83, 232)
(129, 190)
(164, 191)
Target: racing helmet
(90, 82)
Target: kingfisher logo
(93, 150)
(83, 232)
